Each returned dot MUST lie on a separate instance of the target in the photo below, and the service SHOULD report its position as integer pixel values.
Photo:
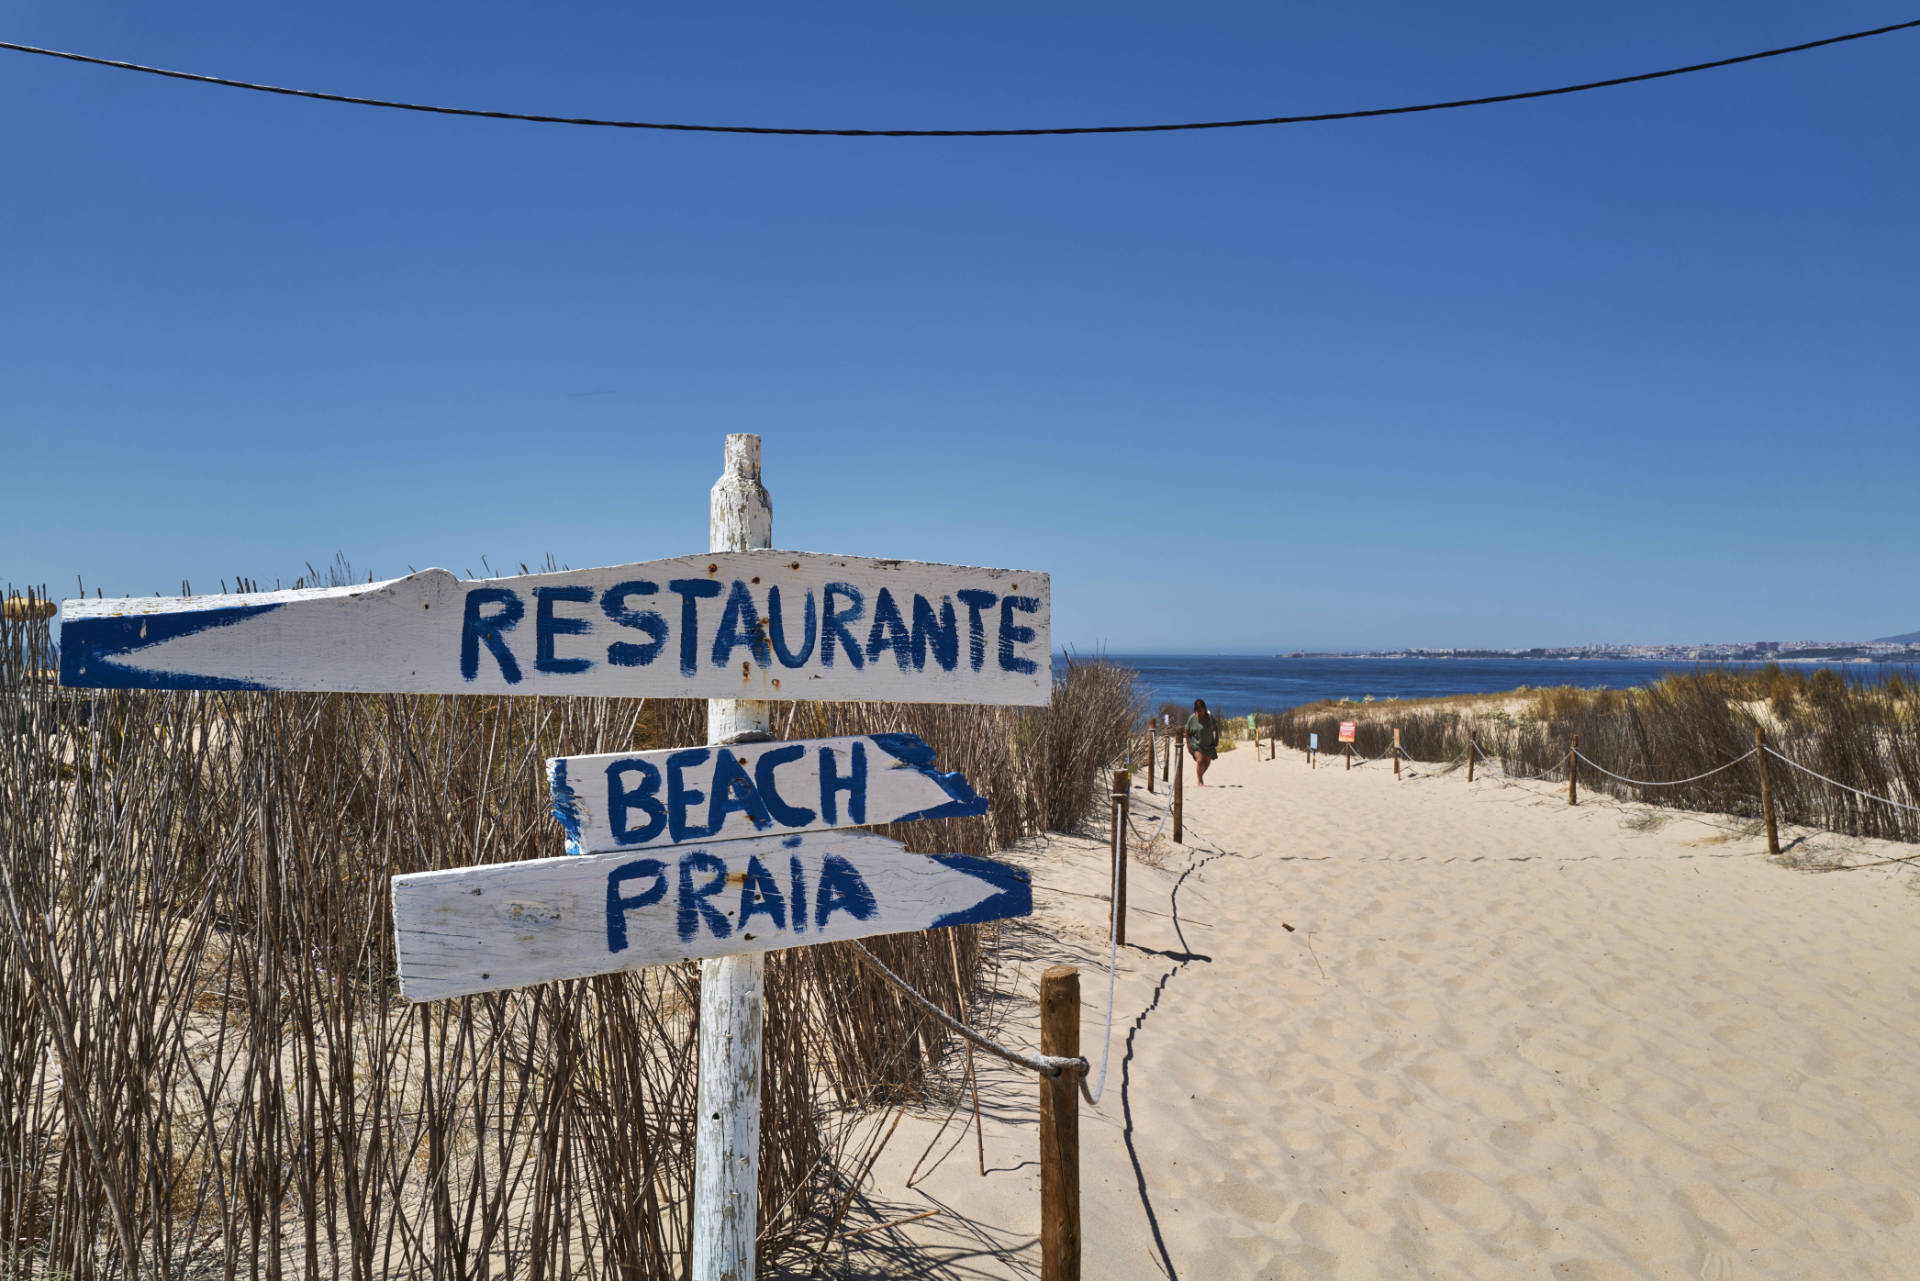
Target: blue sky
(1641, 364)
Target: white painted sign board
(478, 929)
(761, 624)
(641, 800)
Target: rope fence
(1761, 752)
(1671, 782)
(1049, 1065)
(1785, 760)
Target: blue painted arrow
(1013, 888)
(93, 651)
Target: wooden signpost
(722, 852)
(1347, 731)
(1313, 746)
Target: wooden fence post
(1396, 753)
(1573, 772)
(1179, 781)
(1470, 755)
(1122, 786)
(1060, 1128)
(1166, 768)
(1766, 792)
(1349, 755)
(1153, 753)
(726, 1145)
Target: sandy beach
(1502, 1039)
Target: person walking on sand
(1203, 740)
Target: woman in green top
(1203, 740)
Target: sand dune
(1503, 1039)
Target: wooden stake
(1153, 753)
(1349, 755)
(726, 1145)
(1766, 792)
(1396, 753)
(1166, 767)
(1573, 772)
(1060, 1128)
(1122, 786)
(1179, 781)
(1471, 753)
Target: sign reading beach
(766, 624)
(642, 799)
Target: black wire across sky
(1314, 118)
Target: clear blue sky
(1641, 364)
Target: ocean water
(1234, 685)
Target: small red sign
(1346, 731)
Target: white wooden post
(726, 1160)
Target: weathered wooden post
(1166, 769)
(1122, 786)
(1573, 772)
(1396, 753)
(1349, 755)
(1179, 781)
(1153, 753)
(1470, 756)
(1766, 791)
(1060, 1128)
(726, 1146)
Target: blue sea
(1234, 685)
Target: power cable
(1314, 118)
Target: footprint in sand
(1594, 1270)
(1464, 1198)
(1512, 1137)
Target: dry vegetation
(1866, 735)
(205, 1067)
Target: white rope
(1044, 1064)
(1113, 961)
(1151, 837)
(1498, 764)
(1842, 786)
(1672, 782)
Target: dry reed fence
(1865, 734)
(206, 1070)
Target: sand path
(1502, 1039)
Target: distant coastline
(1235, 685)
